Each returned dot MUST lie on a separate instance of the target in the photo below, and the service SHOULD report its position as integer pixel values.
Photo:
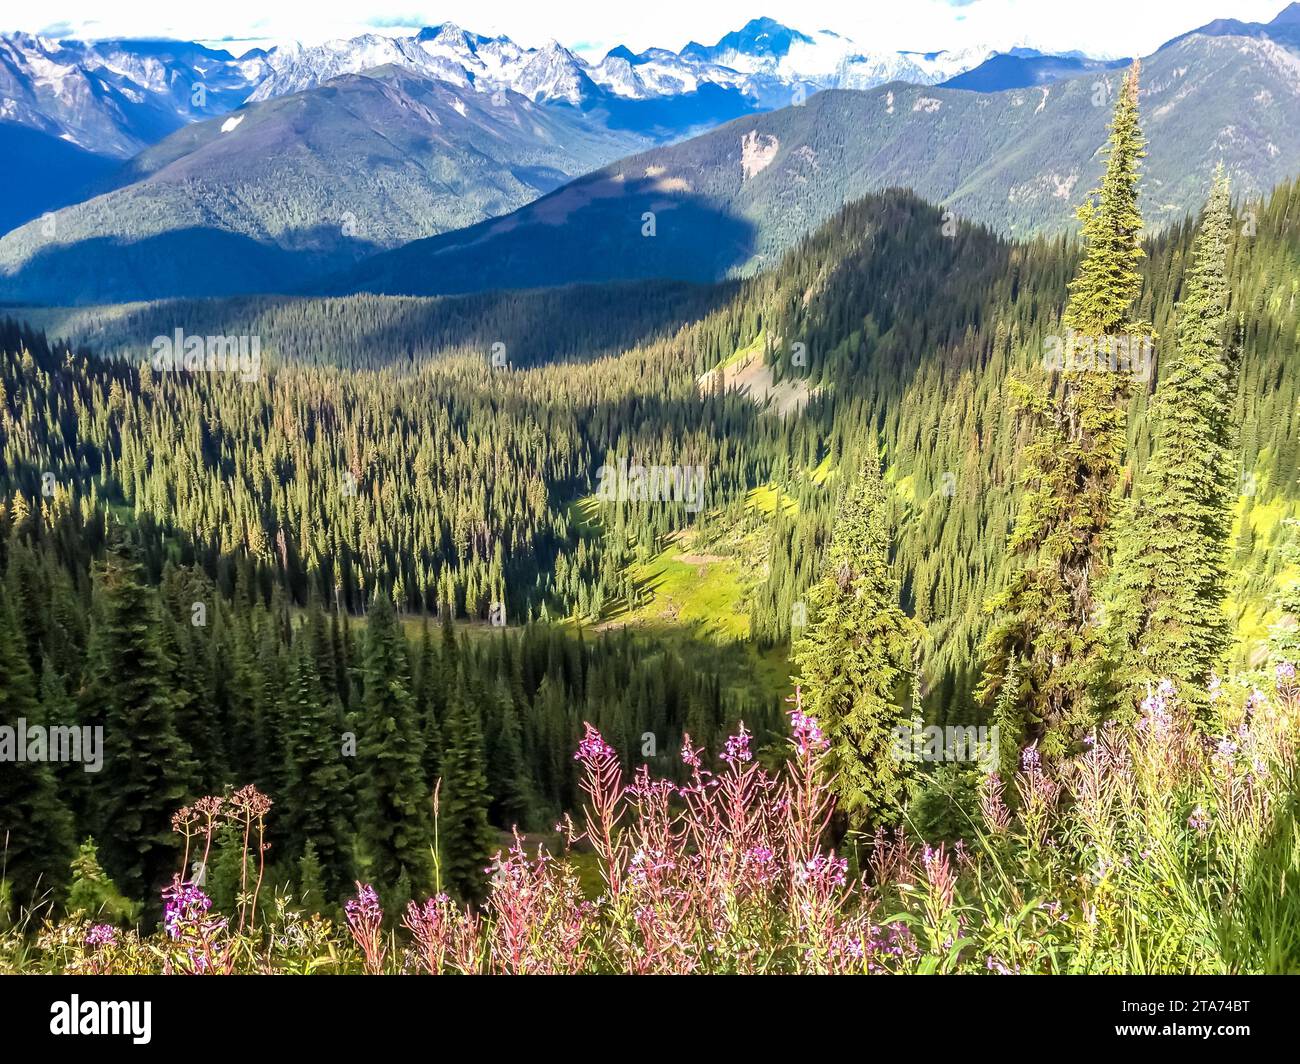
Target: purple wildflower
(737, 749)
(101, 935)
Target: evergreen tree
(1171, 567)
(146, 774)
(315, 805)
(428, 700)
(513, 801)
(464, 836)
(93, 893)
(396, 808)
(312, 892)
(854, 660)
(36, 839)
(1047, 633)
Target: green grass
(765, 499)
(703, 593)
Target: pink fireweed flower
(184, 904)
(365, 906)
(593, 747)
(939, 875)
(825, 870)
(1286, 681)
(365, 920)
(759, 863)
(808, 736)
(1198, 821)
(737, 748)
(690, 755)
(101, 935)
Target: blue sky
(1102, 27)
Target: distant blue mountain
(53, 174)
(762, 37)
(1023, 68)
(1285, 27)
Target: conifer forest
(798, 505)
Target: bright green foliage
(1046, 618)
(93, 893)
(856, 656)
(1171, 566)
(1285, 643)
(311, 890)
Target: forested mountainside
(580, 322)
(736, 198)
(280, 191)
(462, 481)
(466, 472)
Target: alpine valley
(881, 467)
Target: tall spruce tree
(1048, 631)
(128, 688)
(315, 803)
(396, 808)
(1171, 566)
(464, 836)
(855, 658)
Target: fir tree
(146, 774)
(1047, 634)
(428, 700)
(464, 837)
(92, 893)
(312, 893)
(1171, 567)
(854, 660)
(513, 801)
(396, 811)
(315, 803)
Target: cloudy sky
(1101, 27)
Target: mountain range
(282, 190)
(90, 106)
(449, 162)
(116, 97)
(732, 200)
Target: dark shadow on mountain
(674, 117)
(193, 262)
(44, 173)
(596, 229)
(580, 322)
